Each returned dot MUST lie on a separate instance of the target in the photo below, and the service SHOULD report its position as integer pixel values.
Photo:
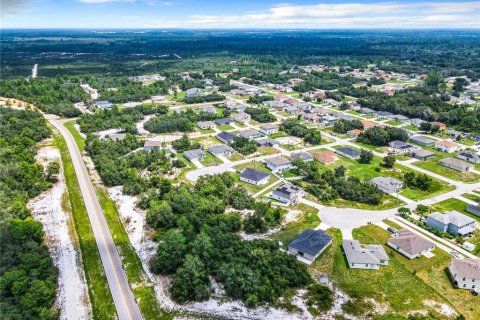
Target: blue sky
(239, 14)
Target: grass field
(433, 166)
(418, 279)
(308, 220)
(393, 285)
(454, 204)
(473, 197)
(70, 125)
(210, 160)
(100, 298)
(394, 123)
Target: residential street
(124, 300)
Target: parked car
(456, 254)
(390, 229)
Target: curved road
(123, 298)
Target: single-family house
(474, 209)
(242, 117)
(383, 114)
(366, 111)
(421, 154)
(454, 134)
(254, 177)
(226, 137)
(194, 154)
(193, 92)
(249, 134)
(468, 156)
(224, 122)
(268, 128)
(387, 185)
(310, 244)
(354, 133)
(209, 109)
(399, 117)
(116, 136)
(456, 164)
(410, 244)
(305, 156)
(452, 222)
(348, 152)
(416, 122)
(266, 142)
(465, 273)
(446, 146)
(158, 99)
(152, 144)
(221, 150)
(103, 104)
(364, 256)
(422, 140)
(398, 146)
(310, 117)
(278, 164)
(367, 124)
(287, 193)
(325, 157)
(205, 125)
(440, 125)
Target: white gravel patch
(77, 127)
(140, 125)
(72, 297)
(441, 308)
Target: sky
(239, 14)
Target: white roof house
(453, 222)
(268, 128)
(387, 184)
(364, 256)
(287, 193)
(278, 164)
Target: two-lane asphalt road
(123, 298)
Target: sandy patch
(72, 296)
(140, 125)
(441, 308)
(77, 127)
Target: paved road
(123, 298)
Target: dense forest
(129, 53)
(27, 274)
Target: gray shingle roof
(226, 136)
(194, 154)
(452, 217)
(220, 149)
(349, 151)
(311, 241)
(357, 253)
(252, 174)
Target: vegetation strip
(144, 292)
(99, 292)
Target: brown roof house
(465, 273)
(410, 244)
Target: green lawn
(473, 197)
(210, 160)
(370, 147)
(430, 274)
(236, 157)
(264, 151)
(468, 142)
(225, 128)
(387, 202)
(308, 220)
(278, 134)
(433, 166)
(99, 293)
(206, 131)
(394, 123)
(70, 125)
(412, 128)
(254, 165)
(454, 204)
(396, 285)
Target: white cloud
(344, 15)
(10, 8)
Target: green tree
(389, 161)
(191, 281)
(365, 156)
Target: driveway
(197, 163)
